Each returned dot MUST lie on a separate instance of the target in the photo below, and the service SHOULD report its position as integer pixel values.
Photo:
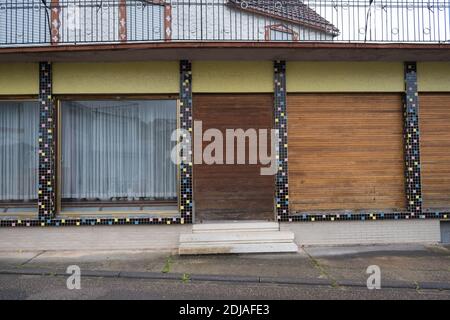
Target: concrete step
(189, 249)
(237, 237)
(235, 226)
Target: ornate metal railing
(53, 22)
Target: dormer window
(280, 32)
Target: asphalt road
(54, 287)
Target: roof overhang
(308, 51)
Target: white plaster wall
(145, 23)
(81, 22)
(166, 238)
(216, 21)
(150, 237)
(365, 232)
(31, 26)
(87, 21)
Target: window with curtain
(19, 130)
(118, 150)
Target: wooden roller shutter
(346, 152)
(435, 149)
(228, 192)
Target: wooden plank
(233, 192)
(435, 150)
(346, 152)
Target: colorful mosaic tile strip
(280, 126)
(412, 141)
(89, 221)
(305, 217)
(96, 221)
(46, 192)
(186, 197)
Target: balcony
(43, 26)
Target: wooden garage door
(233, 192)
(435, 149)
(345, 152)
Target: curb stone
(225, 278)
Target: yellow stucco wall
(433, 76)
(19, 78)
(232, 76)
(221, 77)
(115, 78)
(344, 77)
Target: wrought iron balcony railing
(53, 22)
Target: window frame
(60, 202)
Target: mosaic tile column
(47, 195)
(412, 141)
(186, 197)
(280, 126)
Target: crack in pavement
(321, 269)
(32, 258)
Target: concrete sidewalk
(402, 266)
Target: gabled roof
(288, 10)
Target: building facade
(92, 94)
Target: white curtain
(118, 150)
(19, 129)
